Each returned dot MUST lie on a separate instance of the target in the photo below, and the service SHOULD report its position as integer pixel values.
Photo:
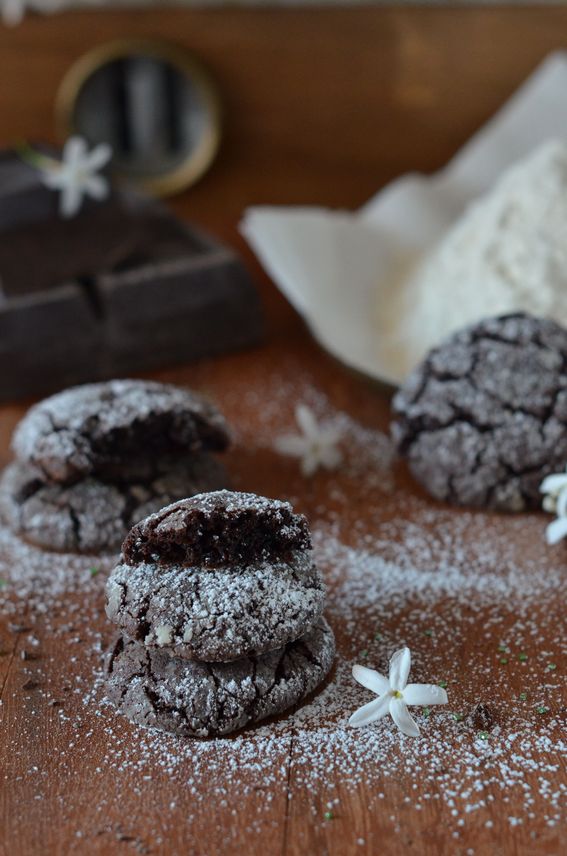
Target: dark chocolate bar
(123, 287)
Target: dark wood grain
(320, 107)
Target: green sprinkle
(522, 658)
(551, 667)
(329, 815)
(503, 660)
(542, 709)
(364, 653)
(378, 636)
(483, 735)
(426, 711)
(3, 583)
(458, 717)
(523, 696)
(503, 648)
(94, 571)
(428, 632)
(442, 684)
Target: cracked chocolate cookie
(91, 515)
(483, 419)
(93, 460)
(217, 577)
(194, 699)
(105, 428)
(219, 528)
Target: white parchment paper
(343, 271)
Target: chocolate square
(121, 288)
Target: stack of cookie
(219, 605)
(93, 460)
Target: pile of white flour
(507, 252)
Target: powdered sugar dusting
(75, 431)
(475, 597)
(218, 615)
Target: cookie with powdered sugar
(195, 699)
(482, 419)
(92, 515)
(108, 429)
(217, 577)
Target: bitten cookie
(217, 577)
(194, 699)
(93, 460)
(482, 419)
(110, 428)
(91, 515)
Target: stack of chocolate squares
(219, 605)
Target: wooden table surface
(321, 107)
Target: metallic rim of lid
(199, 160)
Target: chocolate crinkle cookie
(219, 605)
(482, 420)
(92, 515)
(222, 528)
(110, 428)
(217, 577)
(93, 460)
(197, 699)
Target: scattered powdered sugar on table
(466, 768)
(415, 578)
(392, 587)
(368, 454)
(40, 582)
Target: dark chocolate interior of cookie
(154, 434)
(116, 429)
(218, 529)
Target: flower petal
(330, 434)
(401, 716)
(96, 186)
(400, 665)
(561, 508)
(74, 150)
(553, 483)
(371, 679)
(330, 457)
(98, 157)
(305, 418)
(70, 201)
(424, 694)
(549, 503)
(556, 531)
(371, 712)
(291, 444)
(309, 463)
(12, 12)
(54, 178)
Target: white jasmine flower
(554, 488)
(13, 11)
(394, 694)
(77, 174)
(316, 446)
(556, 531)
